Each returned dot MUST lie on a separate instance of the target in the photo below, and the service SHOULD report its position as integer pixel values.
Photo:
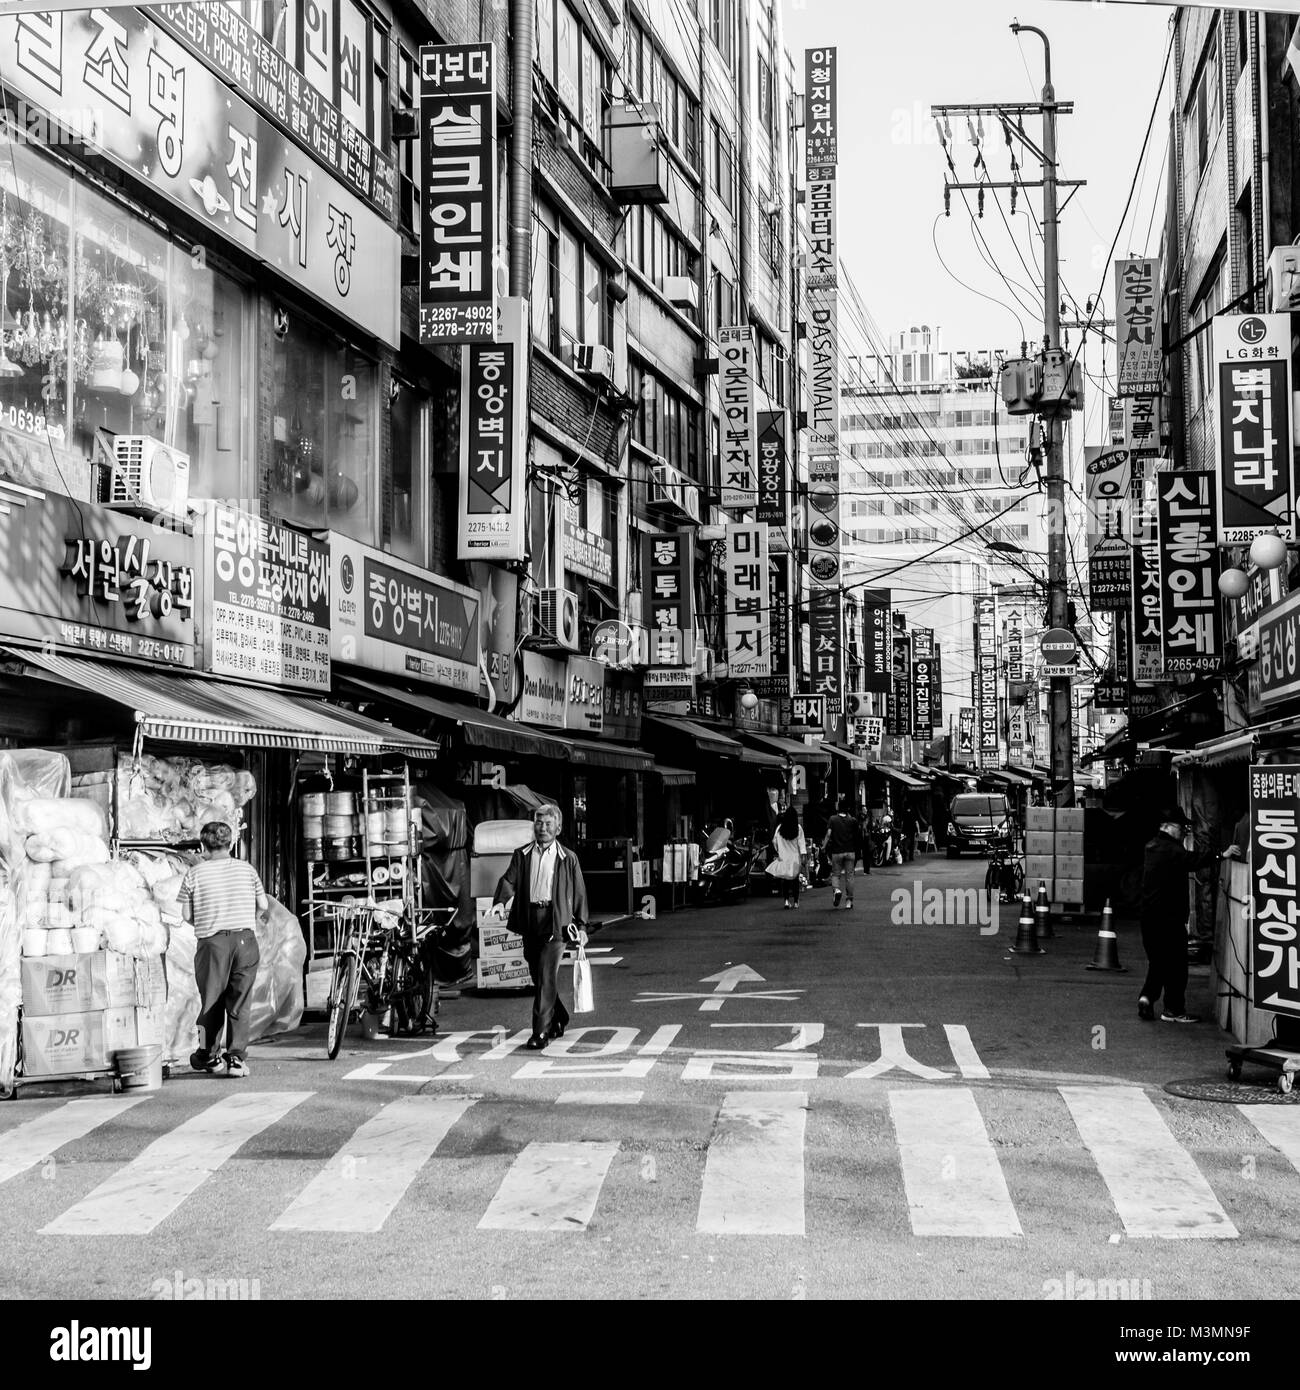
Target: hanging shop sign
(739, 418)
(773, 470)
(260, 73)
(393, 617)
(822, 116)
(498, 606)
(1017, 726)
(749, 651)
(266, 600)
(666, 574)
(133, 93)
(922, 643)
(900, 700)
(1147, 614)
(824, 537)
(822, 254)
(922, 696)
(585, 552)
(1015, 647)
(493, 442)
(936, 690)
(826, 622)
(584, 695)
(1138, 327)
(808, 714)
(987, 709)
(1189, 571)
(1140, 434)
(1115, 419)
(876, 657)
(965, 750)
(542, 697)
(1274, 914)
(1108, 480)
(77, 577)
(458, 206)
(669, 689)
(1255, 452)
(623, 705)
(1279, 651)
(778, 684)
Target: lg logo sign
(1252, 330)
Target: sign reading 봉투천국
(458, 161)
(1274, 905)
(1255, 472)
(666, 570)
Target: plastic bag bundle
(43, 814)
(277, 1001)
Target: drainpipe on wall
(521, 146)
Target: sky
(896, 60)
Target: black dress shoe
(556, 1030)
(536, 1043)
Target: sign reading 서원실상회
(87, 579)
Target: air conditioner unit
(557, 617)
(593, 359)
(1283, 283)
(408, 202)
(149, 476)
(682, 291)
(671, 490)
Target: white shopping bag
(584, 996)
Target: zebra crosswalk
(947, 1157)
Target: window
(765, 102)
(722, 28)
(342, 49)
(571, 60)
(543, 274)
(568, 291)
(409, 427)
(407, 151)
(724, 167)
(665, 423)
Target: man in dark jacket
(1165, 904)
(544, 899)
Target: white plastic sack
(584, 992)
(43, 814)
(502, 836)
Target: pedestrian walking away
(909, 825)
(543, 898)
(1165, 904)
(223, 899)
(843, 841)
(791, 852)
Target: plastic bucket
(340, 803)
(313, 827)
(140, 1068)
(313, 804)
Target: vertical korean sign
(778, 603)
(1189, 570)
(1138, 327)
(825, 620)
(936, 690)
(666, 578)
(773, 471)
(739, 418)
(1147, 622)
(1256, 469)
(1274, 837)
(493, 442)
(900, 700)
(458, 160)
(877, 665)
(1108, 478)
(748, 630)
(986, 680)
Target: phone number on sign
(29, 422)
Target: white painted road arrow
(724, 982)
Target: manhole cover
(1261, 1092)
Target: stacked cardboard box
(80, 1010)
(501, 963)
(1054, 853)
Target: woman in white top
(791, 850)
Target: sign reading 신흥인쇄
(1274, 905)
(458, 160)
(1192, 630)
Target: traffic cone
(1107, 957)
(1026, 940)
(1043, 914)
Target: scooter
(725, 864)
(884, 842)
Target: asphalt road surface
(766, 1103)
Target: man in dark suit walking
(543, 899)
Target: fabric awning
(856, 763)
(755, 757)
(190, 709)
(905, 779)
(791, 748)
(590, 752)
(674, 776)
(705, 739)
(1219, 752)
(1009, 779)
(477, 727)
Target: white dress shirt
(542, 880)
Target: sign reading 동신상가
(266, 600)
(458, 160)
(1274, 905)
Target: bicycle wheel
(993, 877)
(343, 987)
(414, 1005)
(1017, 880)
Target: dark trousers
(789, 888)
(1166, 946)
(543, 957)
(225, 967)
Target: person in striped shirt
(224, 899)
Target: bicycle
(385, 955)
(1005, 874)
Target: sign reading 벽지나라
(1274, 905)
(394, 617)
(1189, 570)
(266, 600)
(458, 160)
(1256, 490)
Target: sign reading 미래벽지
(458, 160)
(666, 570)
(773, 471)
(1255, 454)
(1137, 327)
(241, 57)
(82, 578)
(493, 466)
(131, 92)
(1192, 633)
(749, 650)
(1274, 906)
(739, 418)
(393, 617)
(266, 600)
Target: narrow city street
(765, 1104)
